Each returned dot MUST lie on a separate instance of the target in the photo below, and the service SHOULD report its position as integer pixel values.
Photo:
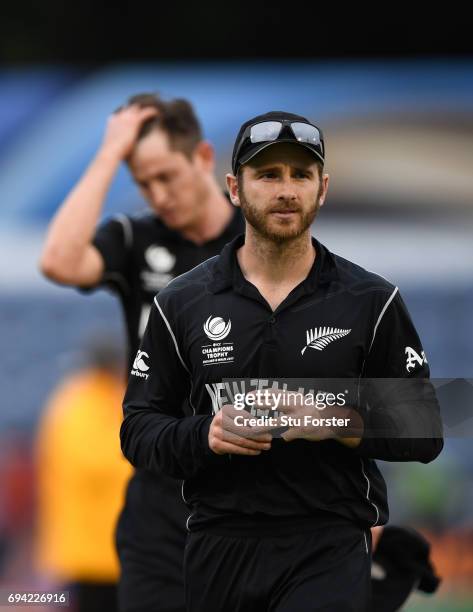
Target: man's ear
(323, 195)
(204, 156)
(232, 186)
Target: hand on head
(123, 127)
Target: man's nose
(158, 194)
(287, 189)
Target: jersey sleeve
(114, 241)
(401, 411)
(156, 433)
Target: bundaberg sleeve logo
(319, 338)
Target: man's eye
(268, 175)
(301, 175)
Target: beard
(285, 230)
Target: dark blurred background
(90, 32)
(393, 90)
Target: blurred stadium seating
(400, 153)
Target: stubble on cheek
(277, 228)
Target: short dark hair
(176, 118)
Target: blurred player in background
(190, 219)
(81, 478)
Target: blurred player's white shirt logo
(160, 262)
(159, 259)
(139, 365)
(319, 338)
(413, 357)
(215, 328)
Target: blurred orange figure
(81, 483)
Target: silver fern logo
(319, 338)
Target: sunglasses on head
(269, 131)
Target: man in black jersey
(136, 256)
(279, 523)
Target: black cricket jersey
(210, 325)
(142, 255)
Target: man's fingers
(261, 433)
(290, 434)
(226, 448)
(259, 437)
(289, 408)
(220, 434)
(224, 439)
(236, 421)
(233, 438)
(141, 110)
(135, 112)
(376, 533)
(147, 112)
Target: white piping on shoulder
(368, 492)
(391, 297)
(172, 335)
(182, 492)
(187, 522)
(127, 229)
(381, 314)
(186, 502)
(178, 353)
(187, 370)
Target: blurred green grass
(426, 603)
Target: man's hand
(307, 422)
(123, 127)
(376, 533)
(336, 423)
(68, 255)
(227, 438)
(306, 418)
